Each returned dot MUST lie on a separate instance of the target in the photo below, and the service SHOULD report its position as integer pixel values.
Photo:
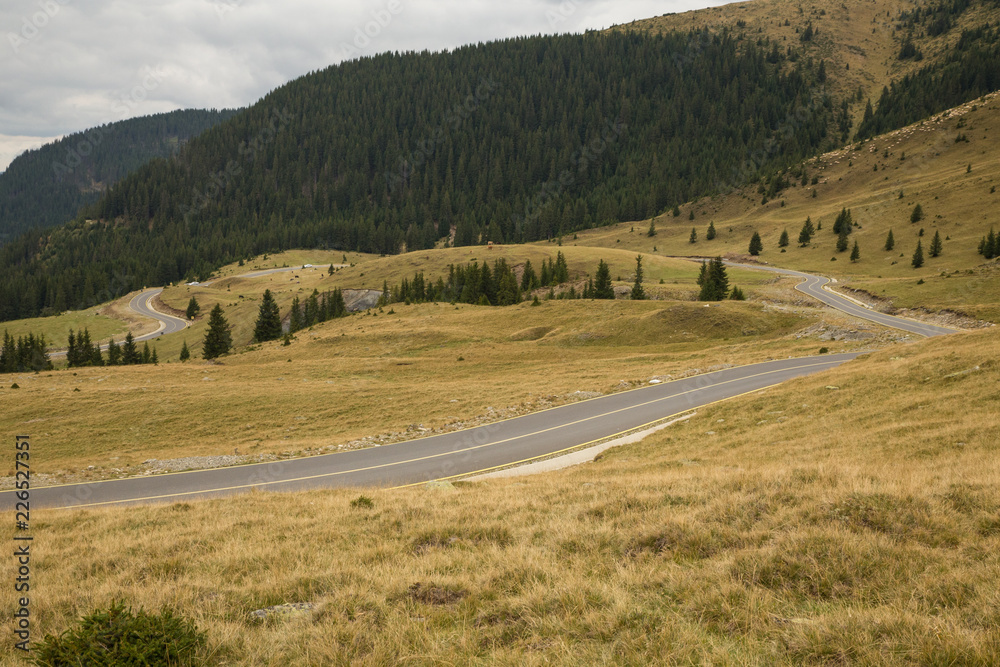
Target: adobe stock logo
(31, 26)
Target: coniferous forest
(970, 70)
(508, 141)
(47, 186)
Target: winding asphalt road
(816, 287)
(478, 450)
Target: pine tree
(114, 353)
(844, 224)
(652, 229)
(783, 239)
(714, 282)
(988, 245)
(329, 271)
(638, 293)
(936, 245)
(918, 257)
(295, 318)
(694, 236)
(737, 294)
(561, 273)
(603, 289)
(155, 358)
(529, 280)
(918, 214)
(691, 214)
(676, 211)
(756, 245)
(805, 236)
(890, 242)
(147, 356)
(268, 326)
(218, 338)
(703, 274)
(842, 241)
(710, 234)
(185, 352)
(855, 252)
(130, 353)
(193, 309)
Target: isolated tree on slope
(855, 252)
(918, 257)
(714, 281)
(756, 245)
(193, 309)
(936, 245)
(710, 234)
(185, 352)
(638, 293)
(218, 338)
(890, 242)
(603, 289)
(268, 326)
(783, 239)
(805, 236)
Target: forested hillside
(47, 186)
(972, 69)
(509, 141)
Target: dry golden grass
(800, 525)
(960, 205)
(856, 38)
(432, 364)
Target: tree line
(82, 351)
(24, 354)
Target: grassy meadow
(851, 517)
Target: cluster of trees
(714, 282)
(46, 186)
(478, 284)
(82, 351)
(989, 246)
(466, 283)
(317, 308)
(26, 353)
(510, 141)
(967, 71)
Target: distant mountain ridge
(46, 187)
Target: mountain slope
(508, 141)
(46, 187)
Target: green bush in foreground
(117, 636)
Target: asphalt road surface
(478, 450)
(141, 303)
(444, 456)
(814, 286)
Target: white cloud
(73, 64)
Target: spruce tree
(561, 273)
(783, 239)
(193, 309)
(936, 245)
(714, 282)
(185, 352)
(147, 357)
(114, 353)
(603, 289)
(130, 353)
(756, 245)
(890, 242)
(268, 326)
(676, 211)
(218, 338)
(737, 294)
(710, 234)
(918, 256)
(155, 359)
(918, 214)
(855, 252)
(805, 236)
(652, 229)
(295, 319)
(529, 280)
(842, 241)
(638, 293)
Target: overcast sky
(67, 65)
